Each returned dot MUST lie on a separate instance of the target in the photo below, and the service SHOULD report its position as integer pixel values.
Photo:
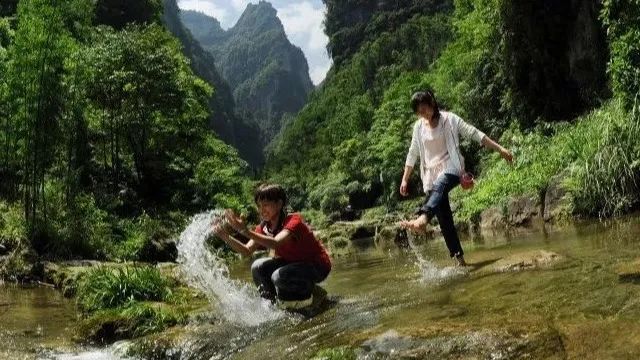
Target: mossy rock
(528, 260)
(161, 346)
(137, 319)
(20, 265)
(336, 353)
(629, 272)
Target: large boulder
(557, 202)
(492, 218)
(522, 210)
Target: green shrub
(621, 18)
(105, 288)
(13, 229)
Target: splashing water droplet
(430, 273)
(238, 302)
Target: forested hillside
(269, 76)
(104, 134)
(238, 132)
(523, 73)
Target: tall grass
(608, 183)
(105, 288)
(597, 158)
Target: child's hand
(220, 231)
(235, 221)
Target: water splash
(116, 351)
(238, 302)
(430, 273)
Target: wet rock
(629, 272)
(525, 261)
(492, 218)
(20, 265)
(388, 343)
(159, 250)
(482, 344)
(522, 210)
(557, 203)
(367, 231)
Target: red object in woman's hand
(467, 181)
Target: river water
(403, 303)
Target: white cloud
(303, 24)
(207, 7)
(318, 71)
(240, 5)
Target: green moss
(135, 320)
(336, 353)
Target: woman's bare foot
(418, 225)
(459, 260)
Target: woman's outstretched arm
(490, 144)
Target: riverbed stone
(470, 344)
(557, 202)
(522, 210)
(527, 260)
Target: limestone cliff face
(233, 129)
(269, 77)
(557, 55)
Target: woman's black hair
(428, 98)
(275, 193)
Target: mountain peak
(259, 18)
(206, 29)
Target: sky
(302, 20)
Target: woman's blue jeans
(437, 205)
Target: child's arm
(243, 249)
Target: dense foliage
(350, 23)
(102, 127)
(356, 128)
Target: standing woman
(436, 141)
(300, 261)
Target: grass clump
(125, 302)
(105, 288)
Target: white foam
(237, 302)
(432, 274)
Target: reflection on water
(31, 318)
(578, 308)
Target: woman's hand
(236, 222)
(404, 188)
(506, 155)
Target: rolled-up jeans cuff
(426, 211)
